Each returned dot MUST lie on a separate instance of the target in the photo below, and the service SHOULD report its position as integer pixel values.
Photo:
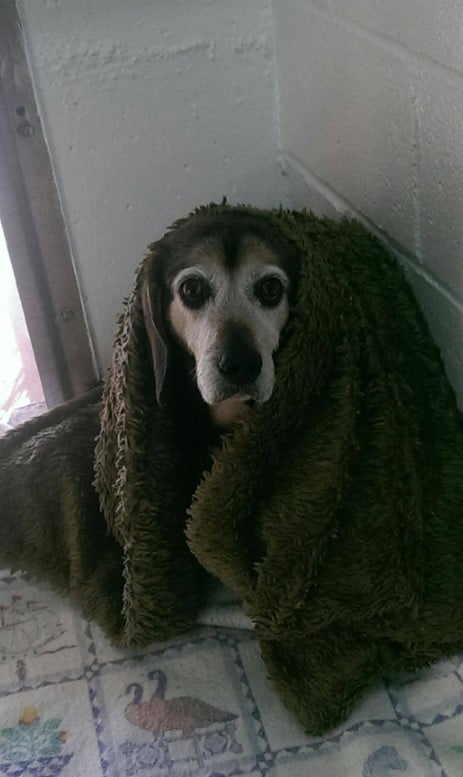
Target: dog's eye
(194, 292)
(269, 291)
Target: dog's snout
(241, 369)
(240, 362)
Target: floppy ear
(151, 296)
(131, 386)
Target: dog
(216, 296)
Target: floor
(200, 705)
(21, 394)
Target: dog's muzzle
(240, 368)
(235, 368)
(240, 363)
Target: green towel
(334, 510)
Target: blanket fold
(334, 511)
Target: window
(34, 228)
(21, 393)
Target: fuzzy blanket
(334, 510)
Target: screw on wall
(24, 128)
(66, 314)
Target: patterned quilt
(197, 706)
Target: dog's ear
(152, 302)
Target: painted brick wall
(371, 123)
(149, 109)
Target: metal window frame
(35, 231)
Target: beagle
(216, 295)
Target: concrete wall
(153, 106)
(371, 120)
(150, 108)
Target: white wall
(371, 118)
(153, 106)
(150, 107)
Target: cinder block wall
(371, 123)
(150, 108)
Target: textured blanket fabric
(334, 511)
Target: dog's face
(229, 312)
(227, 284)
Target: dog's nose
(240, 364)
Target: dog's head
(220, 285)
